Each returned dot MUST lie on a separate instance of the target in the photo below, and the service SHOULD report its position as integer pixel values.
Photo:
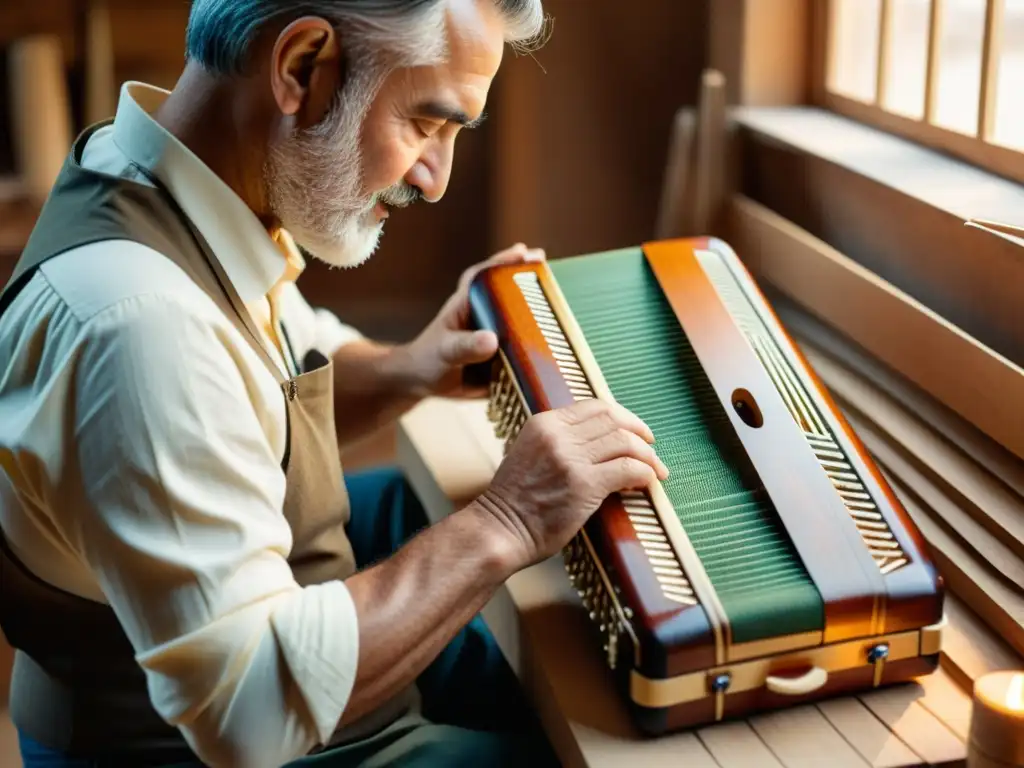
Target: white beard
(315, 184)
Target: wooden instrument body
(674, 656)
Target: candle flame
(1015, 693)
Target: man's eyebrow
(438, 111)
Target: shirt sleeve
(312, 328)
(182, 525)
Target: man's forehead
(476, 36)
(456, 89)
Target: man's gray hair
(408, 32)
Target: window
(947, 73)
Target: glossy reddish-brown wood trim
(814, 517)
(655, 616)
(914, 593)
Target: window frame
(977, 149)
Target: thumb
(468, 347)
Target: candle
(997, 722)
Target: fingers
(595, 418)
(625, 474)
(466, 348)
(621, 444)
(518, 253)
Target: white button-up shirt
(141, 442)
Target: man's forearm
(371, 388)
(411, 605)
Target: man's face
(333, 185)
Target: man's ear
(306, 68)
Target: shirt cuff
(319, 640)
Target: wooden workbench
(449, 453)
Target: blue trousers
(474, 711)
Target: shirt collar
(253, 260)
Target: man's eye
(427, 127)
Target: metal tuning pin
(497, 388)
(593, 592)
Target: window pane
(855, 30)
(1009, 126)
(908, 57)
(959, 64)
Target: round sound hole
(747, 409)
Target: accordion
(775, 566)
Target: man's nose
(431, 175)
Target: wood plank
(735, 745)
(801, 737)
(813, 336)
(980, 385)
(950, 703)
(1001, 608)
(898, 708)
(983, 547)
(866, 734)
(995, 526)
(970, 649)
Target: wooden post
(676, 208)
(711, 154)
(40, 108)
(100, 83)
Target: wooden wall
(570, 158)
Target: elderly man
(187, 578)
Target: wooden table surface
(449, 453)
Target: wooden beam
(675, 209)
(931, 78)
(764, 48)
(41, 110)
(711, 154)
(819, 30)
(972, 380)
(100, 67)
(884, 43)
(991, 53)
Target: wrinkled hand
(562, 466)
(438, 355)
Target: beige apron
(76, 685)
